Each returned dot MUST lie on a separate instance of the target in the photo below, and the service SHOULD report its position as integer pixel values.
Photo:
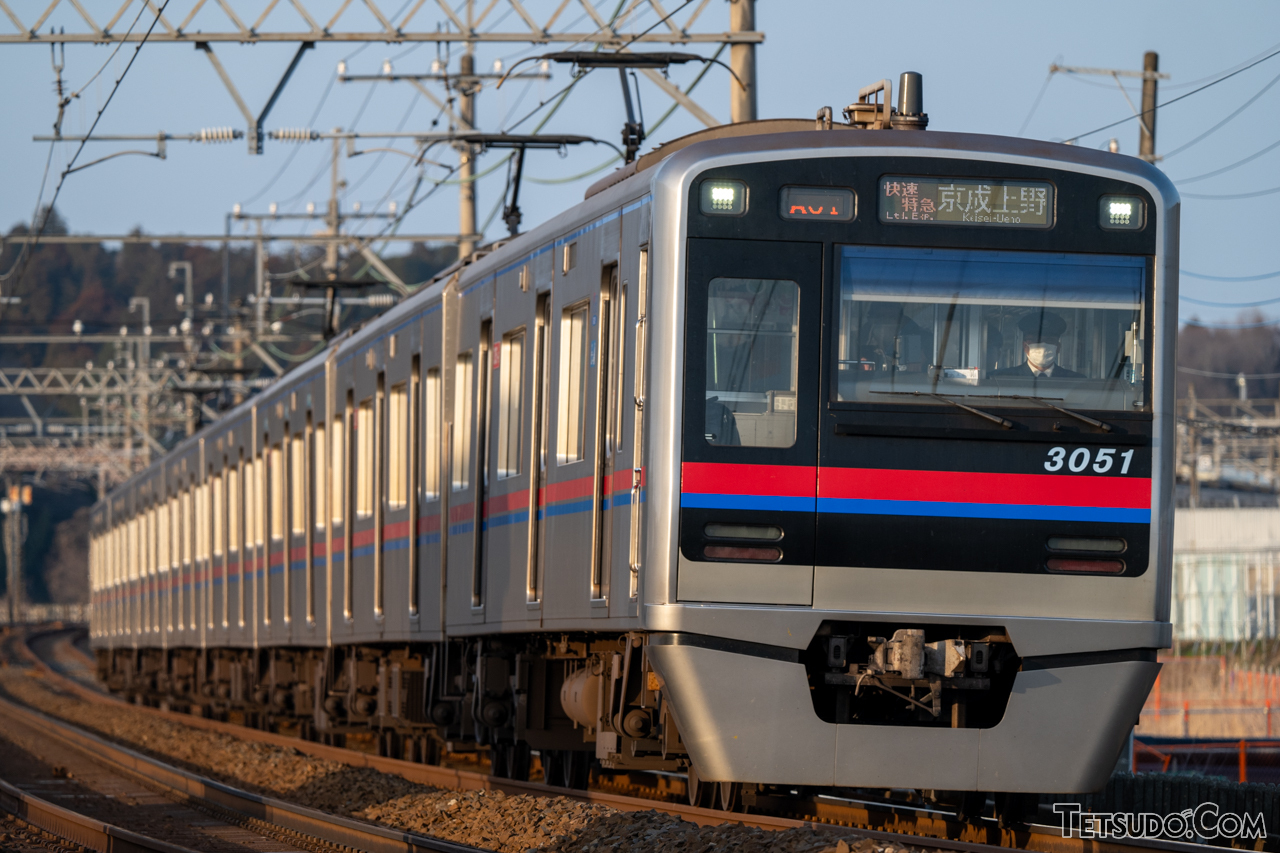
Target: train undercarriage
(573, 699)
(578, 701)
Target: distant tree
(1247, 350)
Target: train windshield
(1000, 328)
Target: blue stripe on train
(1019, 512)
(771, 503)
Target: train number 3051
(1081, 457)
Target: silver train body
(488, 519)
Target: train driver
(1041, 347)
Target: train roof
(784, 134)
(756, 136)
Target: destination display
(952, 201)
(821, 203)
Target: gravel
(488, 819)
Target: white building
(1224, 574)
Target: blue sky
(984, 65)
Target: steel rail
(901, 824)
(186, 785)
(74, 827)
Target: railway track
(76, 790)
(888, 822)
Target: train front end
(909, 481)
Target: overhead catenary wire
(22, 251)
(1206, 325)
(1230, 304)
(1174, 100)
(44, 221)
(295, 149)
(657, 124)
(1231, 196)
(1236, 164)
(1215, 375)
(1258, 277)
(1036, 103)
(1222, 123)
(1241, 64)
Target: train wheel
(702, 794)
(519, 759)
(500, 760)
(971, 807)
(578, 776)
(552, 772)
(729, 796)
(1015, 811)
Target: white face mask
(1042, 356)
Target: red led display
(810, 203)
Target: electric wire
(1230, 196)
(666, 115)
(296, 359)
(49, 158)
(1207, 325)
(1229, 304)
(35, 214)
(62, 177)
(1215, 375)
(1240, 64)
(528, 85)
(382, 154)
(1220, 124)
(1175, 100)
(1258, 277)
(327, 161)
(1235, 165)
(294, 153)
(1035, 104)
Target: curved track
(55, 653)
(155, 801)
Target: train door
(535, 566)
(365, 593)
(570, 499)
(425, 584)
(748, 474)
(470, 333)
(397, 461)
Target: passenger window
(571, 418)
(297, 484)
(398, 447)
(462, 423)
(233, 510)
(217, 516)
(276, 479)
(338, 469)
(752, 339)
(318, 451)
(365, 437)
(184, 527)
(431, 436)
(510, 400)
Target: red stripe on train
(721, 478)
(888, 484)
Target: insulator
(294, 134)
(219, 134)
(380, 300)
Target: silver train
(797, 454)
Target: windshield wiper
(995, 419)
(1105, 427)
